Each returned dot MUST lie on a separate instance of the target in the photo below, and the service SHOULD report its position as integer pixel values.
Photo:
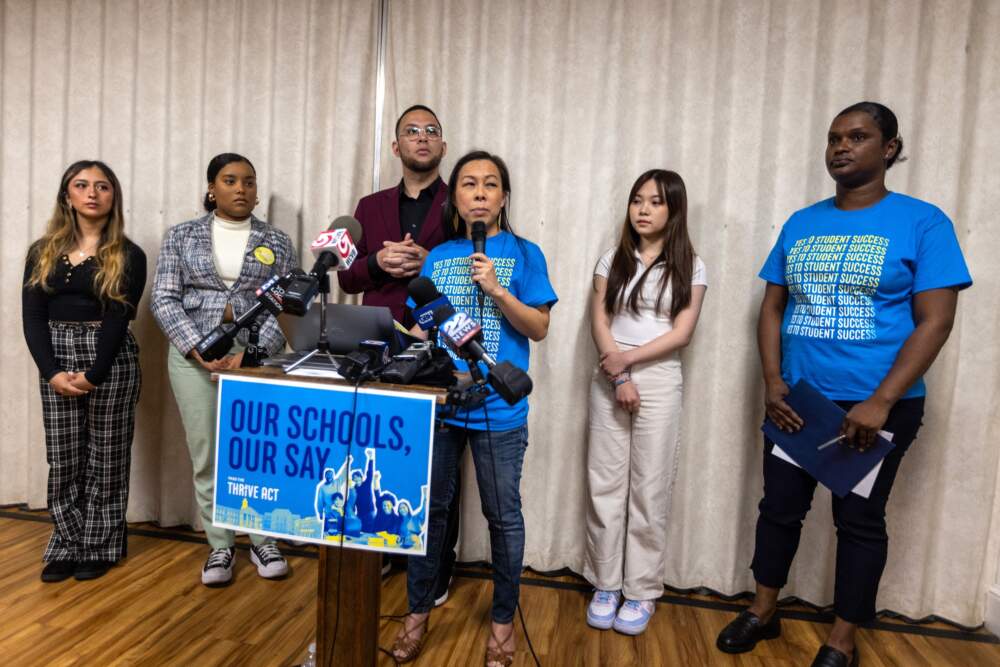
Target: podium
(346, 633)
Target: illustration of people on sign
(412, 520)
(329, 499)
(368, 508)
(366, 493)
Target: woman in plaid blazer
(207, 273)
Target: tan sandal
(498, 656)
(406, 648)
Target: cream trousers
(631, 467)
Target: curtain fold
(579, 97)
(155, 89)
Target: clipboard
(838, 467)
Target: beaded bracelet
(620, 380)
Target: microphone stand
(323, 345)
(254, 353)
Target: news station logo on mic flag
(338, 241)
(281, 466)
(459, 329)
(424, 315)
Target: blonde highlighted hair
(60, 237)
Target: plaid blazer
(189, 298)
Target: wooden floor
(152, 610)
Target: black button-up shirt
(412, 214)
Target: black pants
(862, 541)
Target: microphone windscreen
(350, 224)
(443, 312)
(478, 236)
(422, 290)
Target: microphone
(334, 249)
(426, 296)
(479, 237)
(405, 365)
(479, 245)
(217, 343)
(364, 362)
(464, 336)
(462, 333)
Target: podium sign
(324, 463)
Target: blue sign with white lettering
(324, 463)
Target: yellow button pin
(264, 255)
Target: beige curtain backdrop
(156, 89)
(579, 97)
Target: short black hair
(416, 107)
(887, 124)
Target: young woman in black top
(82, 283)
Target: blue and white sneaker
(633, 617)
(602, 609)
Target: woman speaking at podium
(874, 278)
(506, 289)
(208, 272)
(82, 284)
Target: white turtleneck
(229, 245)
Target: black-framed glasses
(414, 132)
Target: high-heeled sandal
(406, 648)
(498, 656)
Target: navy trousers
(862, 541)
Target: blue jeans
(500, 495)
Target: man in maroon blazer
(403, 222)
(400, 225)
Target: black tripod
(254, 353)
(322, 346)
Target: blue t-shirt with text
(851, 277)
(521, 269)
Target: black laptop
(346, 326)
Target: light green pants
(196, 394)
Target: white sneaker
(218, 570)
(441, 599)
(269, 561)
(602, 608)
(634, 615)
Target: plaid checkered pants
(88, 443)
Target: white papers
(313, 372)
(864, 487)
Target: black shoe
(91, 569)
(57, 570)
(743, 633)
(831, 657)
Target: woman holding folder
(861, 296)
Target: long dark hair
(677, 256)
(454, 225)
(215, 165)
